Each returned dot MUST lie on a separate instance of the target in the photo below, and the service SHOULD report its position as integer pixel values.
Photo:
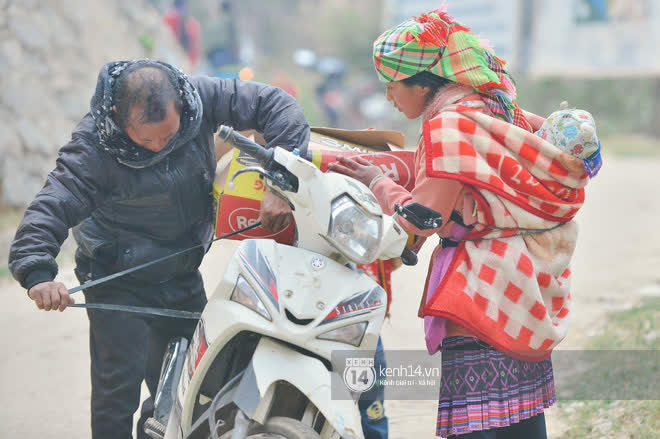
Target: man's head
(148, 105)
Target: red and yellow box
(238, 207)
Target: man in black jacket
(135, 184)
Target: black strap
(457, 218)
(453, 242)
(523, 231)
(162, 312)
(448, 242)
(148, 264)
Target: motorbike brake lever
(277, 177)
(258, 169)
(420, 216)
(282, 179)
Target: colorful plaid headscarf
(435, 42)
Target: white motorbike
(259, 363)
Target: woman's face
(408, 99)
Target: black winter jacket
(125, 216)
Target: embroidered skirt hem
(482, 388)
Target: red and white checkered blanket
(510, 290)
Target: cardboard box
(239, 207)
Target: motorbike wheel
(280, 428)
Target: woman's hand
(356, 167)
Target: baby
(574, 132)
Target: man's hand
(356, 167)
(275, 213)
(50, 296)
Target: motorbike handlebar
(261, 154)
(264, 157)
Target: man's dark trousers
(126, 348)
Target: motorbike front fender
(274, 362)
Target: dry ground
(44, 378)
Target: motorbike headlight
(245, 295)
(350, 334)
(354, 231)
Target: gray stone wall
(50, 54)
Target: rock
(36, 64)
(18, 189)
(61, 83)
(27, 98)
(33, 138)
(10, 142)
(29, 5)
(11, 49)
(130, 9)
(73, 106)
(5, 66)
(5, 35)
(61, 131)
(29, 35)
(35, 165)
(11, 98)
(50, 55)
(64, 33)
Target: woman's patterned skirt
(482, 388)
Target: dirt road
(44, 377)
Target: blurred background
(601, 55)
